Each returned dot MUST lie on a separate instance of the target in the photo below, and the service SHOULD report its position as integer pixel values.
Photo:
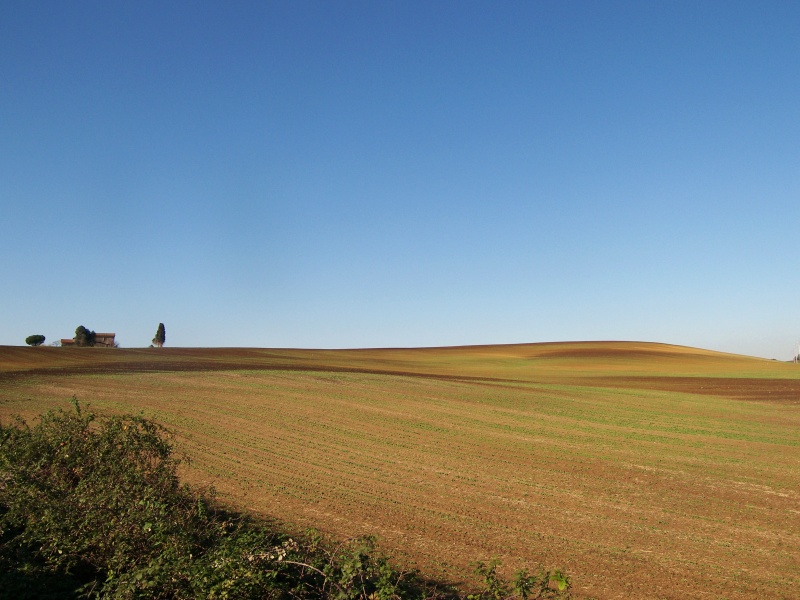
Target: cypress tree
(161, 336)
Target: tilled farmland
(642, 470)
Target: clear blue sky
(385, 173)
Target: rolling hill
(642, 469)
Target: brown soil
(785, 391)
(645, 471)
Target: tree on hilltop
(84, 337)
(34, 340)
(161, 336)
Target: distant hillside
(513, 361)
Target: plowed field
(643, 470)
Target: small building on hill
(103, 340)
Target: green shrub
(548, 584)
(84, 336)
(97, 502)
(35, 340)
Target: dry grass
(644, 470)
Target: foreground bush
(92, 507)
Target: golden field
(643, 470)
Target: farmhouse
(104, 340)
